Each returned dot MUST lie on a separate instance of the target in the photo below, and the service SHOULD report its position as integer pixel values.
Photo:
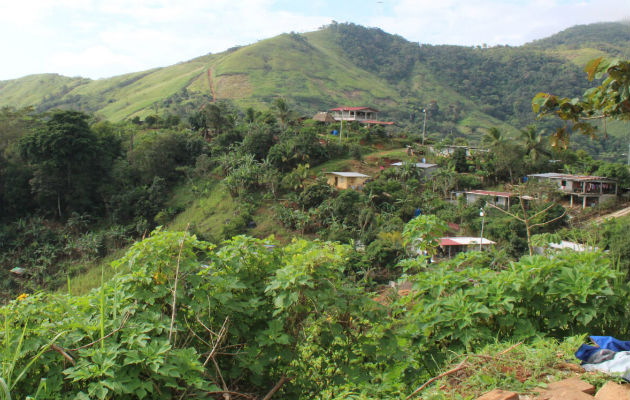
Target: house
(347, 180)
(365, 115)
(499, 199)
(427, 168)
(354, 113)
(585, 189)
(449, 150)
(450, 246)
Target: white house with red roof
(450, 246)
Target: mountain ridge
(343, 64)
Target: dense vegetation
(186, 318)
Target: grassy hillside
(346, 64)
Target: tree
(65, 155)
(609, 100)
(534, 145)
(283, 112)
(530, 221)
(493, 137)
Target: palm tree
(534, 145)
(493, 137)
(282, 111)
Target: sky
(104, 38)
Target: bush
(572, 293)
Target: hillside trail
(616, 214)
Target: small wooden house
(324, 117)
(347, 180)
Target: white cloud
(493, 21)
(98, 59)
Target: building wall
(343, 182)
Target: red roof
(368, 121)
(448, 242)
(353, 109)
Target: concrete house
(347, 180)
(499, 199)
(581, 189)
(365, 115)
(354, 113)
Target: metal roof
(565, 244)
(354, 109)
(490, 193)
(419, 164)
(569, 177)
(369, 121)
(349, 174)
(463, 241)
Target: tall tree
(493, 137)
(66, 158)
(534, 145)
(283, 112)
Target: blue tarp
(611, 357)
(585, 352)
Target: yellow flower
(159, 277)
(22, 296)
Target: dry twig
(63, 352)
(459, 366)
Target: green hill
(464, 88)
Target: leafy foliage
(611, 99)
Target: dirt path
(211, 84)
(616, 214)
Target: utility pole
(482, 214)
(424, 124)
(341, 129)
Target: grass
(208, 207)
(521, 368)
(91, 274)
